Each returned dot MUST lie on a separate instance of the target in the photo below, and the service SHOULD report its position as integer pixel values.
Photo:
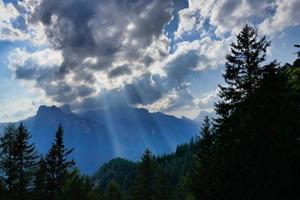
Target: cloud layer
(109, 52)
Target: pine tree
(40, 181)
(143, 189)
(26, 159)
(58, 165)
(146, 176)
(182, 190)
(243, 70)
(201, 174)
(7, 159)
(113, 191)
(80, 187)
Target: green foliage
(7, 159)
(243, 70)
(168, 169)
(183, 189)
(120, 170)
(257, 132)
(40, 180)
(249, 152)
(25, 158)
(79, 187)
(151, 182)
(58, 165)
(113, 191)
(202, 177)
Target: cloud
(8, 13)
(113, 52)
(111, 40)
(15, 24)
(99, 42)
(120, 70)
(223, 16)
(190, 20)
(287, 14)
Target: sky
(166, 56)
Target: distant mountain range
(100, 135)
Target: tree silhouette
(58, 165)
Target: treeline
(25, 175)
(162, 177)
(250, 151)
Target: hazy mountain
(98, 136)
(203, 114)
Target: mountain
(100, 135)
(175, 165)
(203, 114)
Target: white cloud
(45, 58)
(189, 21)
(287, 14)
(206, 98)
(10, 14)
(15, 110)
(115, 49)
(8, 32)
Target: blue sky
(165, 56)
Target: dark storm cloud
(92, 35)
(100, 28)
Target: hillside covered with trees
(250, 151)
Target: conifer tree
(80, 187)
(182, 190)
(40, 181)
(7, 159)
(243, 70)
(113, 191)
(58, 165)
(143, 188)
(258, 126)
(25, 160)
(202, 174)
(146, 176)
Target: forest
(249, 151)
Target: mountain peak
(44, 109)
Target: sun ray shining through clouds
(152, 46)
(149, 99)
(155, 56)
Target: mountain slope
(98, 136)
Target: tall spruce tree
(143, 188)
(258, 126)
(7, 160)
(58, 165)
(25, 161)
(202, 171)
(243, 70)
(146, 185)
(40, 181)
